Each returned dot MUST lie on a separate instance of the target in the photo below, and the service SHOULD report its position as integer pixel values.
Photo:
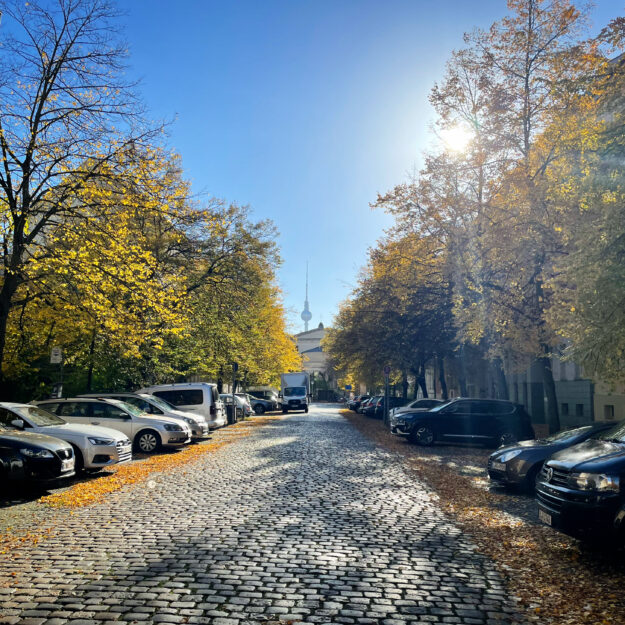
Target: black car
(260, 406)
(579, 489)
(467, 420)
(354, 404)
(45, 458)
(12, 466)
(377, 409)
(518, 465)
(366, 403)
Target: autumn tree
(66, 114)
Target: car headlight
(36, 453)
(508, 455)
(189, 420)
(594, 481)
(100, 441)
(173, 427)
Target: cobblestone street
(304, 519)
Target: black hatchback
(519, 464)
(466, 420)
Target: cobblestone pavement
(302, 520)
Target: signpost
(56, 358)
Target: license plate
(125, 449)
(499, 466)
(544, 517)
(67, 465)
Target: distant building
(315, 359)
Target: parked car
(417, 404)
(354, 404)
(200, 398)
(269, 395)
(366, 403)
(247, 403)
(159, 407)
(44, 458)
(148, 433)
(94, 447)
(519, 464)
(239, 409)
(579, 489)
(260, 406)
(467, 420)
(377, 409)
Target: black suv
(488, 421)
(579, 489)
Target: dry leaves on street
(95, 490)
(556, 579)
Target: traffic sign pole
(387, 371)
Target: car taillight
(213, 409)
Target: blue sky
(305, 110)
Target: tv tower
(306, 314)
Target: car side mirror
(18, 423)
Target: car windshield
(295, 390)
(567, 434)
(133, 410)
(440, 407)
(41, 418)
(616, 434)
(161, 403)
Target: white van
(197, 397)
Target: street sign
(56, 356)
(348, 387)
(387, 369)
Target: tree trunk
(462, 373)
(90, 370)
(421, 380)
(441, 377)
(7, 292)
(404, 385)
(553, 415)
(500, 380)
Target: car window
(180, 397)
(214, 394)
(40, 417)
(51, 407)
(6, 416)
(74, 409)
(500, 408)
(138, 402)
(107, 411)
(459, 407)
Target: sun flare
(456, 138)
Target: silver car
(156, 406)
(94, 447)
(148, 433)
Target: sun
(456, 138)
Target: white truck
(295, 389)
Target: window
(608, 412)
(51, 407)
(138, 402)
(74, 409)
(579, 410)
(190, 397)
(564, 409)
(106, 411)
(6, 417)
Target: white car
(196, 397)
(147, 433)
(156, 406)
(94, 447)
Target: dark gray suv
(491, 422)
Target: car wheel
(306, 409)
(79, 462)
(259, 409)
(531, 477)
(148, 442)
(423, 435)
(285, 410)
(507, 438)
